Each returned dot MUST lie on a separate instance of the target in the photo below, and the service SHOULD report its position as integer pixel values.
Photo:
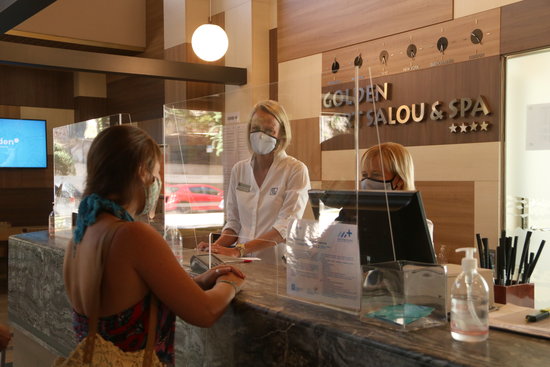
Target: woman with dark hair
(266, 190)
(123, 181)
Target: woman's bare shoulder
(132, 233)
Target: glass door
(527, 157)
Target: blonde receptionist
(266, 191)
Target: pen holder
(517, 294)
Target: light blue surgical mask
(151, 196)
(373, 184)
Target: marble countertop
(268, 328)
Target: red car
(192, 197)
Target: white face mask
(372, 184)
(262, 143)
(151, 197)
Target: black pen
(508, 259)
(526, 265)
(501, 260)
(501, 265)
(524, 253)
(488, 261)
(480, 251)
(498, 265)
(513, 260)
(532, 267)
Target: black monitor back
(408, 223)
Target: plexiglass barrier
(71, 144)
(403, 295)
(337, 225)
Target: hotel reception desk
(260, 328)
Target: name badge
(243, 187)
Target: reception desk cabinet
(260, 328)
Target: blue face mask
(373, 184)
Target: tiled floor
(4, 319)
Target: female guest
(266, 190)
(123, 181)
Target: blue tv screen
(23, 143)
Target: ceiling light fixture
(209, 41)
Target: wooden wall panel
(154, 34)
(273, 65)
(200, 89)
(450, 205)
(337, 185)
(175, 90)
(459, 49)
(26, 206)
(445, 83)
(524, 26)
(22, 86)
(86, 108)
(27, 178)
(308, 27)
(11, 112)
(142, 97)
(305, 145)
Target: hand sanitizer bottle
(469, 302)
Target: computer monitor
(408, 223)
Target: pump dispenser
(469, 302)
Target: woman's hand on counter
(202, 246)
(217, 249)
(231, 279)
(209, 278)
(227, 251)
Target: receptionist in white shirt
(265, 191)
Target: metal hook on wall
(335, 66)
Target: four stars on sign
(473, 127)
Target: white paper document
(323, 263)
(235, 148)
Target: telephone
(199, 263)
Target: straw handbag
(93, 350)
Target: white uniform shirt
(253, 210)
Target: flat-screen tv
(23, 143)
(369, 210)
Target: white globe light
(209, 42)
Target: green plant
(62, 161)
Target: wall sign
(463, 107)
(451, 104)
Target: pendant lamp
(209, 41)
